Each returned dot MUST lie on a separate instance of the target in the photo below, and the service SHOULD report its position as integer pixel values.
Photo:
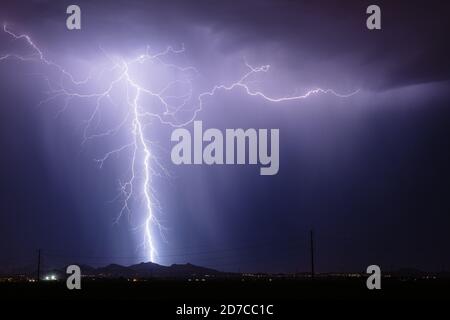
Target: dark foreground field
(160, 299)
(228, 291)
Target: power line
(39, 266)
(312, 253)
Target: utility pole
(39, 266)
(312, 253)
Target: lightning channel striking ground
(144, 164)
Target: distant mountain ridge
(176, 271)
(149, 270)
(140, 270)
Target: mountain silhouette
(146, 270)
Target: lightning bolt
(144, 164)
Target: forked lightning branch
(167, 102)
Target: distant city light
(51, 277)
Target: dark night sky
(370, 173)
